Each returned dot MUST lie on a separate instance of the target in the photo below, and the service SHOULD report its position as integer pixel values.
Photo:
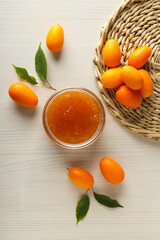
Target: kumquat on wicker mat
(132, 82)
(135, 26)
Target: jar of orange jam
(73, 117)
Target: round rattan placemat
(135, 23)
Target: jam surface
(73, 117)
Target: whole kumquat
(55, 38)
(81, 177)
(111, 170)
(128, 97)
(112, 78)
(23, 95)
(112, 53)
(147, 88)
(139, 57)
(131, 77)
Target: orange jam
(73, 117)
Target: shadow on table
(27, 112)
(57, 56)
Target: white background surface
(37, 200)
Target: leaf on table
(41, 64)
(82, 208)
(107, 201)
(23, 74)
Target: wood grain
(37, 200)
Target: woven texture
(135, 23)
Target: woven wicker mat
(133, 24)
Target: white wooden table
(37, 200)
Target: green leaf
(23, 74)
(106, 201)
(82, 208)
(41, 64)
(41, 67)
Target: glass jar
(73, 117)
